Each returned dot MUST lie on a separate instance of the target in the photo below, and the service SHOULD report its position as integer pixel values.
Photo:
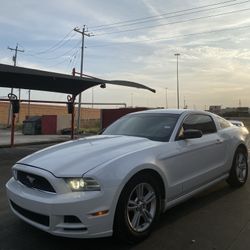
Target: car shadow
(24, 236)
(199, 201)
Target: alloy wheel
(141, 207)
(241, 167)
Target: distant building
(42, 109)
(216, 109)
(230, 111)
(235, 112)
(244, 110)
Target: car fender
(118, 177)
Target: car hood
(74, 158)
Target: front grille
(34, 181)
(39, 218)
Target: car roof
(172, 111)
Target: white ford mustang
(119, 182)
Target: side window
(223, 123)
(201, 122)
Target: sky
(136, 40)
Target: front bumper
(65, 214)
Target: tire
(138, 209)
(239, 170)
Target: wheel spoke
(139, 191)
(146, 215)
(136, 220)
(242, 175)
(240, 159)
(149, 197)
(242, 166)
(132, 205)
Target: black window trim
(186, 116)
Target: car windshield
(157, 127)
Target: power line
(55, 45)
(172, 37)
(58, 63)
(73, 58)
(58, 56)
(68, 58)
(61, 45)
(175, 22)
(53, 50)
(149, 17)
(76, 60)
(165, 16)
(65, 53)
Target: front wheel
(239, 171)
(137, 210)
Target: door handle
(219, 141)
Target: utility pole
(92, 98)
(29, 102)
(177, 76)
(19, 92)
(83, 33)
(132, 100)
(185, 103)
(166, 89)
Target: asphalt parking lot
(218, 218)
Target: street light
(178, 94)
(166, 97)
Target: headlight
(83, 184)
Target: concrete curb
(33, 143)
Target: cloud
(209, 64)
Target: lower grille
(39, 218)
(75, 229)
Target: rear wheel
(138, 208)
(239, 171)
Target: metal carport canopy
(25, 78)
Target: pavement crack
(238, 235)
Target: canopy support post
(71, 110)
(12, 130)
(15, 103)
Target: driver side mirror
(101, 131)
(191, 134)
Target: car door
(199, 160)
